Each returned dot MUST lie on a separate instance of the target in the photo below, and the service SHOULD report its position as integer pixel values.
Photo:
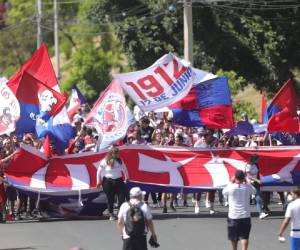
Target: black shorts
(139, 243)
(238, 229)
(11, 193)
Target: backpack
(135, 221)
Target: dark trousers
(139, 243)
(111, 188)
(153, 196)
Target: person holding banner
(3, 163)
(238, 194)
(109, 175)
(252, 172)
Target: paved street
(177, 231)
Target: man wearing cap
(238, 194)
(135, 243)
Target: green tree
(228, 36)
(240, 107)
(17, 39)
(92, 53)
(236, 83)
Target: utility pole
(188, 30)
(39, 37)
(56, 40)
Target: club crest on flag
(9, 110)
(111, 114)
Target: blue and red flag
(208, 103)
(282, 112)
(76, 100)
(41, 103)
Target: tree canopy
(252, 42)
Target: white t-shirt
(107, 171)
(125, 207)
(252, 170)
(200, 143)
(238, 200)
(293, 212)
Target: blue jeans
(258, 198)
(295, 243)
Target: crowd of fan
(150, 129)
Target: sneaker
(173, 208)
(155, 205)
(185, 204)
(226, 204)
(165, 210)
(263, 215)
(28, 216)
(197, 210)
(211, 211)
(112, 217)
(18, 217)
(207, 205)
(159, 204)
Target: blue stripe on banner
(90, 202)
(167, 189)
(269, 180)
(213, 92)
(186, 118)
(26, 123)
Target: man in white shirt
(292, 214)
(238, 194)
(131, 239)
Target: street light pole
(39, 37)
(56, 40)
(188, 30)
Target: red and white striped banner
(166, 167)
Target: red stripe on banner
(164, 166)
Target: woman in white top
(252, 172)
(109, 175)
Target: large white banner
(167, 81)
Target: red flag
(263, 107)
(34, 84)
(39, 66)
(284, 108)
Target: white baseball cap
(136, 191)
